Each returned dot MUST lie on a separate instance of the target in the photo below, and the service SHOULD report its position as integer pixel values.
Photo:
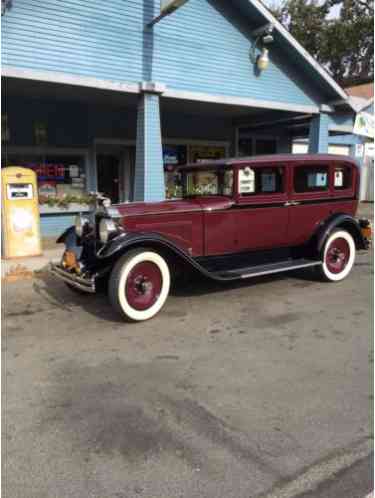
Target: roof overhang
(317, 68)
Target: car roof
(290, 158)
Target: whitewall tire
(139, 284)
(338, 256)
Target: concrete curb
(13, 270)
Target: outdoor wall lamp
(264, 36)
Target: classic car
(236, 219)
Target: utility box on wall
(20, 224)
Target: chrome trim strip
(87, 285)
(280, 270)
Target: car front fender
(123, 243)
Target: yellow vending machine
(20, 224)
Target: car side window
(342, 177)
(261, 181)
(311, 178)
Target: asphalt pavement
(256, 389)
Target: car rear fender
(344, 221)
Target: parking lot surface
(255, 389)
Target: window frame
(318, 194)
(218, 171)
(344, 192)
(263, 199)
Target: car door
(261, 211)
(310, 199)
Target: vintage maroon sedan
(236, 219)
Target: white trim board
(69, 79)
(239, 101)
(341, 128)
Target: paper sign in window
(246, 181)
(339, 178)
(268, 182)
(317, 180)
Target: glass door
(108, 175)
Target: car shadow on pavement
(61, 296)
(197, 285)
(58, 295)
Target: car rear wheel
(338, 256)
(139, 284)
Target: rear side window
(342, 177)
(311, 179)
(260, 181)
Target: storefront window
(173, 156)
(59, 177)
(199, 153)
(251, 144)
(178, 155)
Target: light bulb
(263, 60)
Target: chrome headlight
(80, 223)
(107, 228)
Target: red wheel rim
(337, 255)
(143, 285)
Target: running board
(257, 271)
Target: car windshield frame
(220, 174)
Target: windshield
(207, 182)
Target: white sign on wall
(364, 125)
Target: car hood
(174, 206)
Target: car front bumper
(81, 283)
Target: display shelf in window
(71, 208)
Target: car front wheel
(139, 284)
(338, 256)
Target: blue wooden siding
(82, 37)
(52, 225)
(203, 47)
